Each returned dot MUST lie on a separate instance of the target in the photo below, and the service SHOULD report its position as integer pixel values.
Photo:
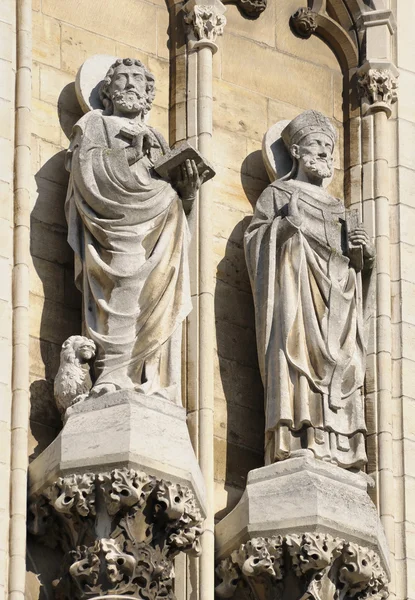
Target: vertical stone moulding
(205, 22)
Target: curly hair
(129, 62)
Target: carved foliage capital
(378, 88)
(119, 530)
(323, 566)
(205, 21)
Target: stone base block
(119, 493)
(303, 495)
(127, 430)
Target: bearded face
(128, 89)
(315, 165)
(315, 155)
(128, 101)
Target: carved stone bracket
(205, 22)
(304, 22)
(378, 88)
(251, 9)
(119, 531)
(307, 565)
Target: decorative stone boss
(311, 272)
(128, 229)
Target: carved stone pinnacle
(303, 22)
(309, 565)
(119, 532)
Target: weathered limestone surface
(403, 306)
(119, 430)
(61, 42)
(254, 87)
(311, 270)
(298, 525)
(7, 106)
(119, 494)
(303, 494)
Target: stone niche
(303, 528)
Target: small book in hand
(167, 165)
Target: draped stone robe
(312, 311)
(130, 237)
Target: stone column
(205, 23)
(377, 80)
(7, 108)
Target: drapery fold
(312, 316)
(130, 237)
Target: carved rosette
(205, 21)
(308, 565)
(378, 88)
(119, 531)
(251, 8)
(304, 22)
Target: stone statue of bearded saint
(129, 233)
(313, 300)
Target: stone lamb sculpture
(73, 379)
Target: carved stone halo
(89, 78)
(277, 160)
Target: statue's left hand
(360, 237)
(189, 181)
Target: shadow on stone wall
(55, 314)
(239, 395)
(55, 302)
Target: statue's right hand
(135, 151)
(294, 214)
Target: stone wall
(262, 73)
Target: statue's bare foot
(103, 388)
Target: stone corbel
(119, 531)
(251, 9)
(304, 22)
(117, 502)
(313, 19)
(308, 565)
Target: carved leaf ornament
(325, 568)
(146, 521)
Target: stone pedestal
(303, 528)
(121, 493)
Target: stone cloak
(312, 310)
(130, 236)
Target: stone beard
(130, 236)
(312, 307)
